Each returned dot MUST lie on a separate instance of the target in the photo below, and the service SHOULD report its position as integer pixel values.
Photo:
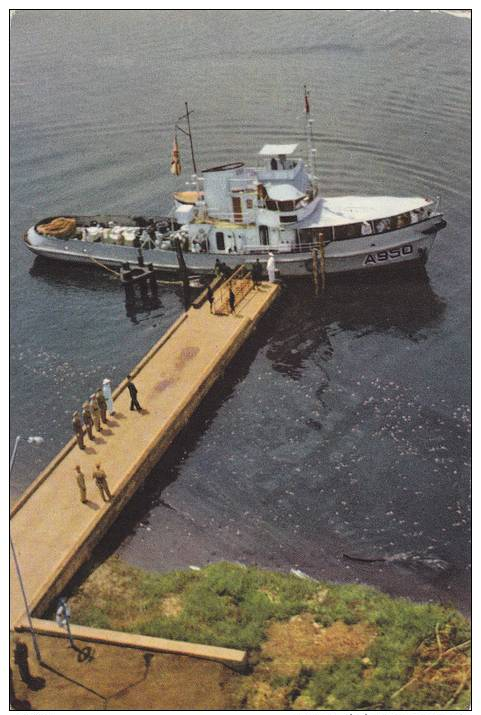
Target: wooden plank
(133, 640)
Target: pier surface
(52, 531)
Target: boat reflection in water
(359, 305)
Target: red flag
(175, 165)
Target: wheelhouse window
(288, 219)
(220, 241)
(349, 230)
(286, 205)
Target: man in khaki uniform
(100, 479)
(87, 419)
(78, 429)
(95, 412)
(102, 405)
(81, 484)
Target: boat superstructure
(239, 213)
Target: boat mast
(187, 133)
(311, 152)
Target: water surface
(344, 424)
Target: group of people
(100, 479)
(94, 415)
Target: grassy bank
(311, 644)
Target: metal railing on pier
(241, 284)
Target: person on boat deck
(271, 268)
(274, 164)
(366, 229)
(217, 267)
(195, 246)
(383, 225)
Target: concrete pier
(53, 532)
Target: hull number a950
(388, 255)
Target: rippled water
(344, 425)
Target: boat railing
(241, 284)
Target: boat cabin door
(264, 235)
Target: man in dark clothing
(134, 403)
(210, 298)
(256, 273)
(232, 300)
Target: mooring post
(153, 281)
(322, 261)
(315, 269)
(144, 292)
(183, 273)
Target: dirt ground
(105, 677)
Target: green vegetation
(311, 645)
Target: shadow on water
(73, 275)
(357, 304)
(95, 278)
(296, 327)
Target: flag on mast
(175, 165)
(306, 101)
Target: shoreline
(185, 543)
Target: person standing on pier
(107, 390)
(95, 411)
(102, 405)
(81, 484)
(271, 268)
(210, 297)
(256, 273)
(100, 479)
(78, 429)
(231, 300)
(134, 403)
(87, 419)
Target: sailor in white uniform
(271, 268)
(107, 390)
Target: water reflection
(73, 275)
(404, 306)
